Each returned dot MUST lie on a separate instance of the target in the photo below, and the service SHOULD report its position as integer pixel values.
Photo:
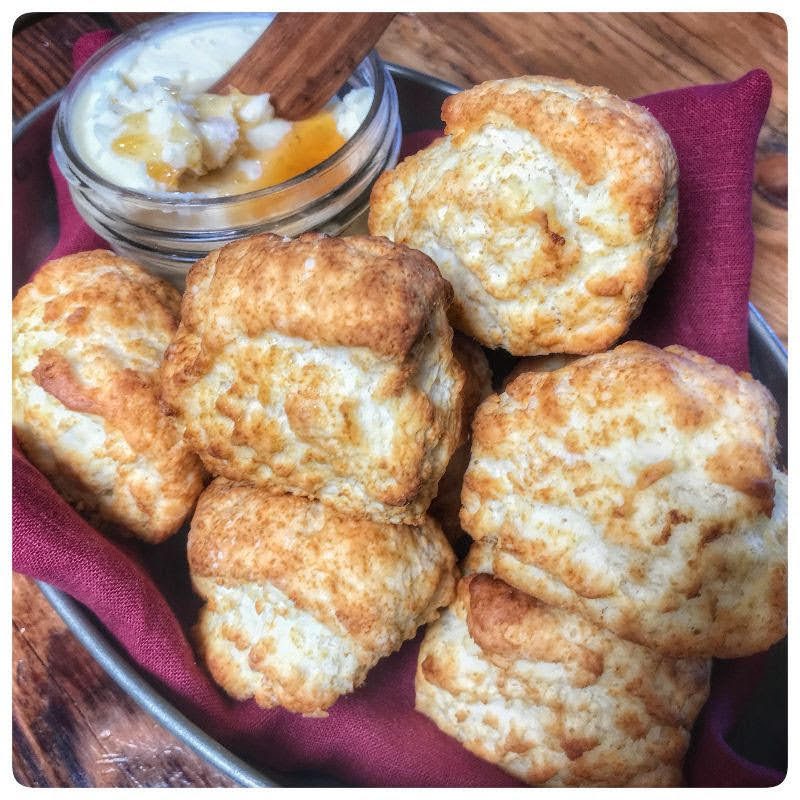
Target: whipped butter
(146, 123)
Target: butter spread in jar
(165, 173)
(145, 122)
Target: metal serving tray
(420, 99)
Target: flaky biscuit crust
(301, 601)
(552, 698)
(537, 364)
(551, 207)
(89, 333)
(638, 487)
(446, 505)
(355, 291)
(321, 367)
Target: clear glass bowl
(168, 233)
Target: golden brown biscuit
(89, 332)
(550, 697)
(301, 601)
(537, 364)
(322, 367)
(446, 505)
(550, 207)
(638, 487)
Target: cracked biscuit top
(301, 601)
(322, 367)
(639, 488)
(356, 291)
(551, 697)
(89, 333)
(551, 207)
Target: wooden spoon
(302, 59)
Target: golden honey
(137, 142)
(307, 143)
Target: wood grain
(42, 58)
(303, 59)
(71, 725)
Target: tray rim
(101, 646)
(107, 653)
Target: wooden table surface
(72, 726)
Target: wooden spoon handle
(302, 59)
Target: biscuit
(550, 697)
(300, 601)
(537, 364)
(446, 505)
(638, 488)
(550, 207)
(89, 333)
(322, 367)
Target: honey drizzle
(137, 142)
(308, 143)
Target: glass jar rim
(372, 62)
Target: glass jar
(167, 233)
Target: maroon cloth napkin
(374, 737)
